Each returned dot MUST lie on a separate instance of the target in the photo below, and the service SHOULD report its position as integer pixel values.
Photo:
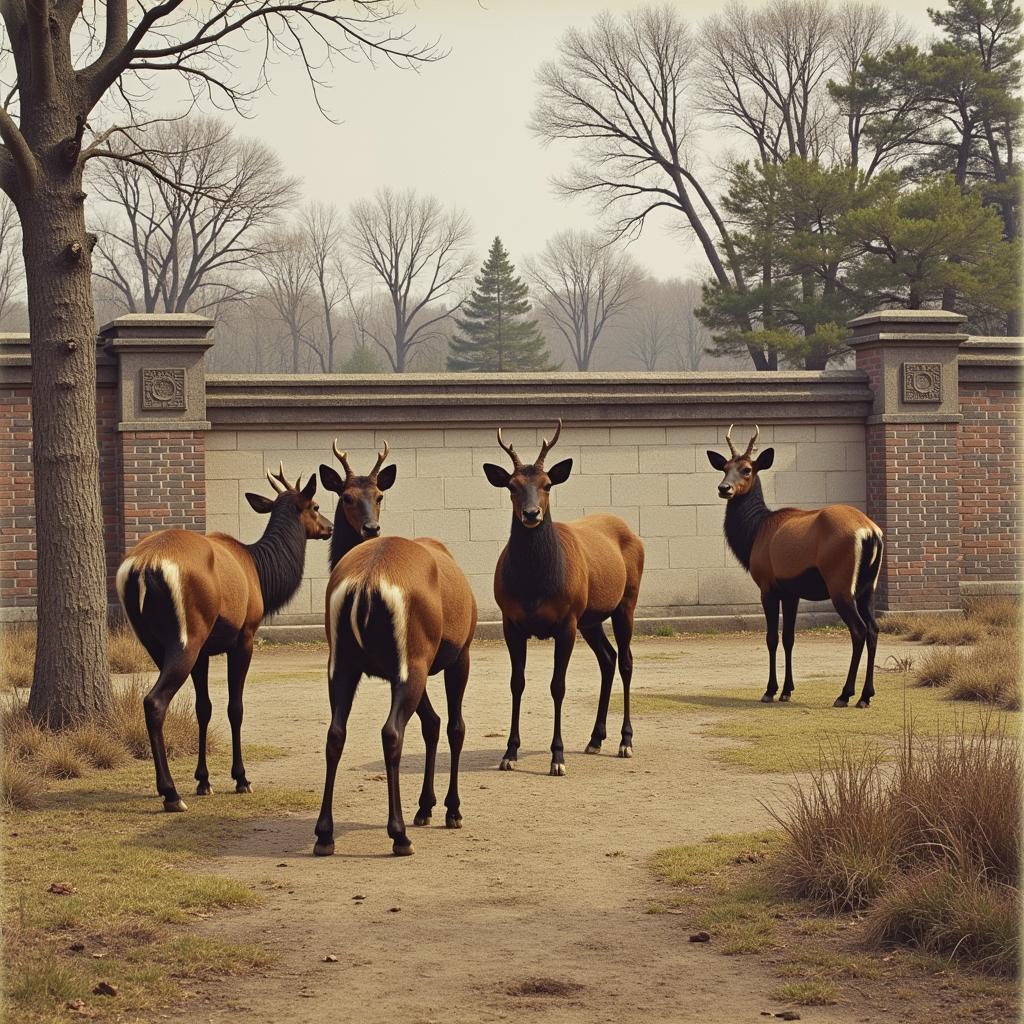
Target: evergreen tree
(494, 336)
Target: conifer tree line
(883, 173)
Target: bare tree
(11, 273)
(59, 61)
(182, 233)
(691, 337)
(321, 227)
(621, 91)
(421, 253)
(582, 284)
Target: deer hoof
(841, 702)
(863, 703)
(204, 789)
(784, 698)
(768, 698)
(593, 748)
(421, 819)
(557, 769)
(625, 750)
(402, 848)
(175, 805)
(453, 821)
(243, 787)
(323, 848)
(508, 764)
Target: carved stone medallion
(163, 388)
(922, 382)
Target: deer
(831, 553)
(401, 610)
(357, 515)
(554, 578)
(190, 596)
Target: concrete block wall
(657, 478)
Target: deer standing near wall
(401, 610)
(554, 578)
(833, 552)
(190, 596)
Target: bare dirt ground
(535, 910)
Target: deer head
(530, 486)
(293, 496)
(359, 497)
(740, 470)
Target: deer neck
(534, 567)
(280, 558)
(343, 539)
(744, 517)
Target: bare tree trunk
(71, 678)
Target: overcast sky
(458, 128)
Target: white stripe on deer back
(861, 534)
(394, 597)
(337, 599)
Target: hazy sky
(458, 128)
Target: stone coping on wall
(991, 361)
(240, 400)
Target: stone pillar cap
(904, 316)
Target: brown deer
(401, 610)
(190, 596)
(554, 578)
(833, 552)
(357, 516)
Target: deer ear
(310, 489)
(560, 471)
(765, 459)
(497, 476)
(716, 460)
(386, 477)
(259, 503)
(330, 479)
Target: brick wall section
(162, 483)
(992, 533)
(17, 516)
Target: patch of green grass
(697, 862)
(664, 631)
(195, 956)
(808, 992)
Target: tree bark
(71, 679)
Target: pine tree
(494, 336)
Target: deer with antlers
(554, 578)
(828, 553)
(190, 596)
(401, 610)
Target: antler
(277, 480)
(380, 462)
(546, 446)
(516, 461)
(728, 441)
(752, 446)
(342, 457)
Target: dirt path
(535, 909)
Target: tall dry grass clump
(929, 850)
(982, 617)
(990, 672)
(125, 652)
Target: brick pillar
(913, 461)
(161, 422)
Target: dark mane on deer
(535, 568)
(744, 517)
(279, 556)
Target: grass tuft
(125, 652)
(20, 788)
(58, 758)
(990, 673)
(809, 992)
(97, 746)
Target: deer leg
(598, 643)
(431, 725)
(858, 634)
(865, 605)
(564, 643)
(405, 698)
(515, 641)
(770, 604)
(622, 625)
(174, 671)
(789, 609)
(342, 690)
(204, 711)
(455, 678)
(238, 668)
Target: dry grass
(990, 672)
(931, 850)
(982, 617)
(128, 723)
(18, 653)
(20, 786)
